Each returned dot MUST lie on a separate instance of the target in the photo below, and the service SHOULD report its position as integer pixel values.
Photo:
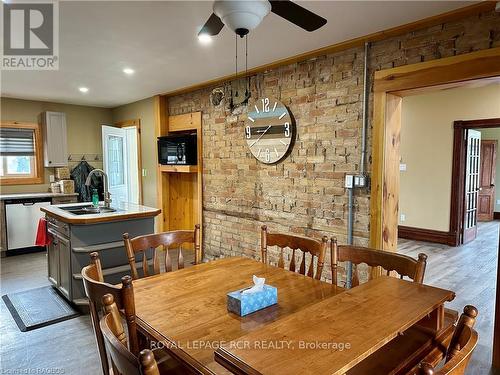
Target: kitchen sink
(87, 210)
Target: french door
(472, 172)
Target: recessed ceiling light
(205, 39)
(128, 71)
(83, 89)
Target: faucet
(107, 195)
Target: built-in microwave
(178, 149)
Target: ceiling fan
(241, 16)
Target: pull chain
(247, 90)
(236, 68)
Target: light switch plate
(498, 201)
(52, 178)
(402, 167)
(402, 217)
(349, 181)
(144, 172)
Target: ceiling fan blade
(213, 26)
(297, 15)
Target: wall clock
(269, 130)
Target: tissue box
(244, 304)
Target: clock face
(269, 130)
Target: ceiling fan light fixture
(204, 38)
(242, 16)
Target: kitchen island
(76, 232)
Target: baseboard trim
(496, 215)
(428, 235)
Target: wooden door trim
(385, 168)
(398, 82)
(137, 124)
(161, 128)
(458, 170)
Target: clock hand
(258, 139)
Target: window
(20, 153)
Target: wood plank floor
(69, 346)
(63, 348)
(470, 271)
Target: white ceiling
(158, 40)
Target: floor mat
(36, 308)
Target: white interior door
(472, 172)
(115, 162)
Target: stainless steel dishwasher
(22, 221)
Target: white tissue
(258, 285)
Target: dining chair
(402, 264)
(124, 361)
(459, 352)
(166, 240)
(316, 249)
(95, 289)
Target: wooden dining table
(186, 310)
(315, 328)
(334, 335)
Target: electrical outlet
(360, 181)
(402, 217)
(52, 178)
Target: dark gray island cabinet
(75, 236)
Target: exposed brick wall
(304, 194)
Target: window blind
(16, 142)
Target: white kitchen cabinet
(55, 147)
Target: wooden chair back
(317, 249)
(165, 241)
(402, 264)
(95, 289)
(462, 344)
(124, 362)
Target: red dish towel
(42, 236)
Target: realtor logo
(30, 36)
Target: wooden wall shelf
(179, 186)
(179, 168)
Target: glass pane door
(114, 143)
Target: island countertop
(124, 211)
